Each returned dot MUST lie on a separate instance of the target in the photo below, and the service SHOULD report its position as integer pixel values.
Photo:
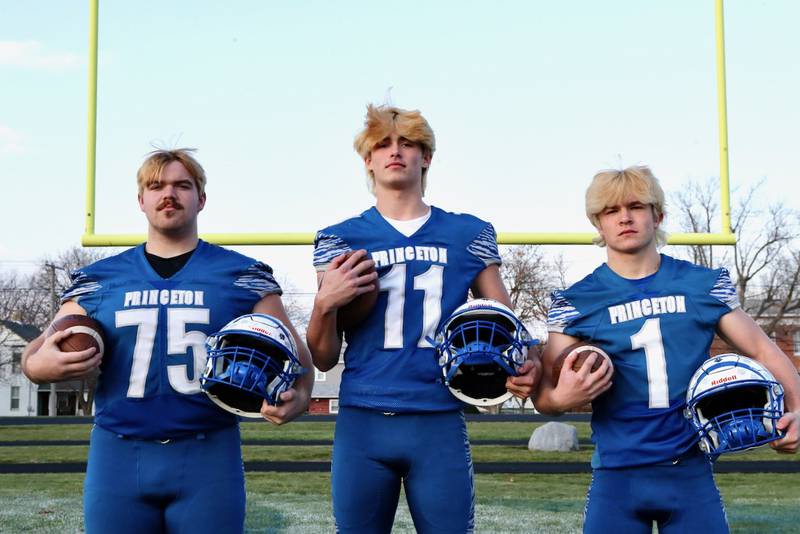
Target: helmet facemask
(246, 365)
(479, 348)
(736, 414)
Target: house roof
(28, 332)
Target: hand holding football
(354, 312)
(85, 333)
(583, 350)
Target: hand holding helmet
(479, 346)
(734, 403)
(252, 359)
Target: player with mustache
(162, 456)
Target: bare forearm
(548, 401)
(324, 341)
(749, 339)
(43, 361)
(784, 372)
(306, 381)
(489, 285)
(543, 403)
(32, 371)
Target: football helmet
(733, 403)
(480, 345)
(251, 359)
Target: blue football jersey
(657, 332)
(155, 330)
(390, 363)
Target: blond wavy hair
(154, 164)
(613, 187)
(379, 124)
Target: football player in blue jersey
(397, 422)
(656, 317)
(162, 456)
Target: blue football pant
(429, 453)
(192, 485)
(679, 497)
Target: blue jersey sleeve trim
(81, 285)
(724, 290)
(561, 313)
(258, 278)
(327, 247)
(484, 246)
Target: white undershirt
(408, 228)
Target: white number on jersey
(394, 283)
(649, 339)
(178, 342)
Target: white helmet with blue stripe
(252, 359)
(734, 403)
(480, 345)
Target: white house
(18, 395)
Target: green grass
(300, 503)
(307, 430)
(306, 453)
(44, 432)
(310, 430)
(43, 454)
(295, 430)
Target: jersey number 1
(649, 339)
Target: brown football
(86, 333)
(355, 311)
(584, 350)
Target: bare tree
(26, 299)
(530, 276)
(6, 356)
(764, 263)
(21, 301)
(296, 305)
(64, 263)
(31, 300)
(697, 210)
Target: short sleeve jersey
(657, 332)
(390, 364)
(155, 330)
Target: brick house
(325, 397)
(786, 336)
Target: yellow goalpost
(92, 239)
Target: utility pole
(52, 405)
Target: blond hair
(614, 187)
(154, 164)
(379, 124)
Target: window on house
(333, 405)
(319, 376)
(796, 342)
(15, 397)
(16, 361)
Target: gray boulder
(554, 437)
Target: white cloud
(11, 141)
(32, 54)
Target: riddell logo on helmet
(723, 380)
(265, 332)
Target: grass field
(300, 502)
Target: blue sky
(528, 100)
